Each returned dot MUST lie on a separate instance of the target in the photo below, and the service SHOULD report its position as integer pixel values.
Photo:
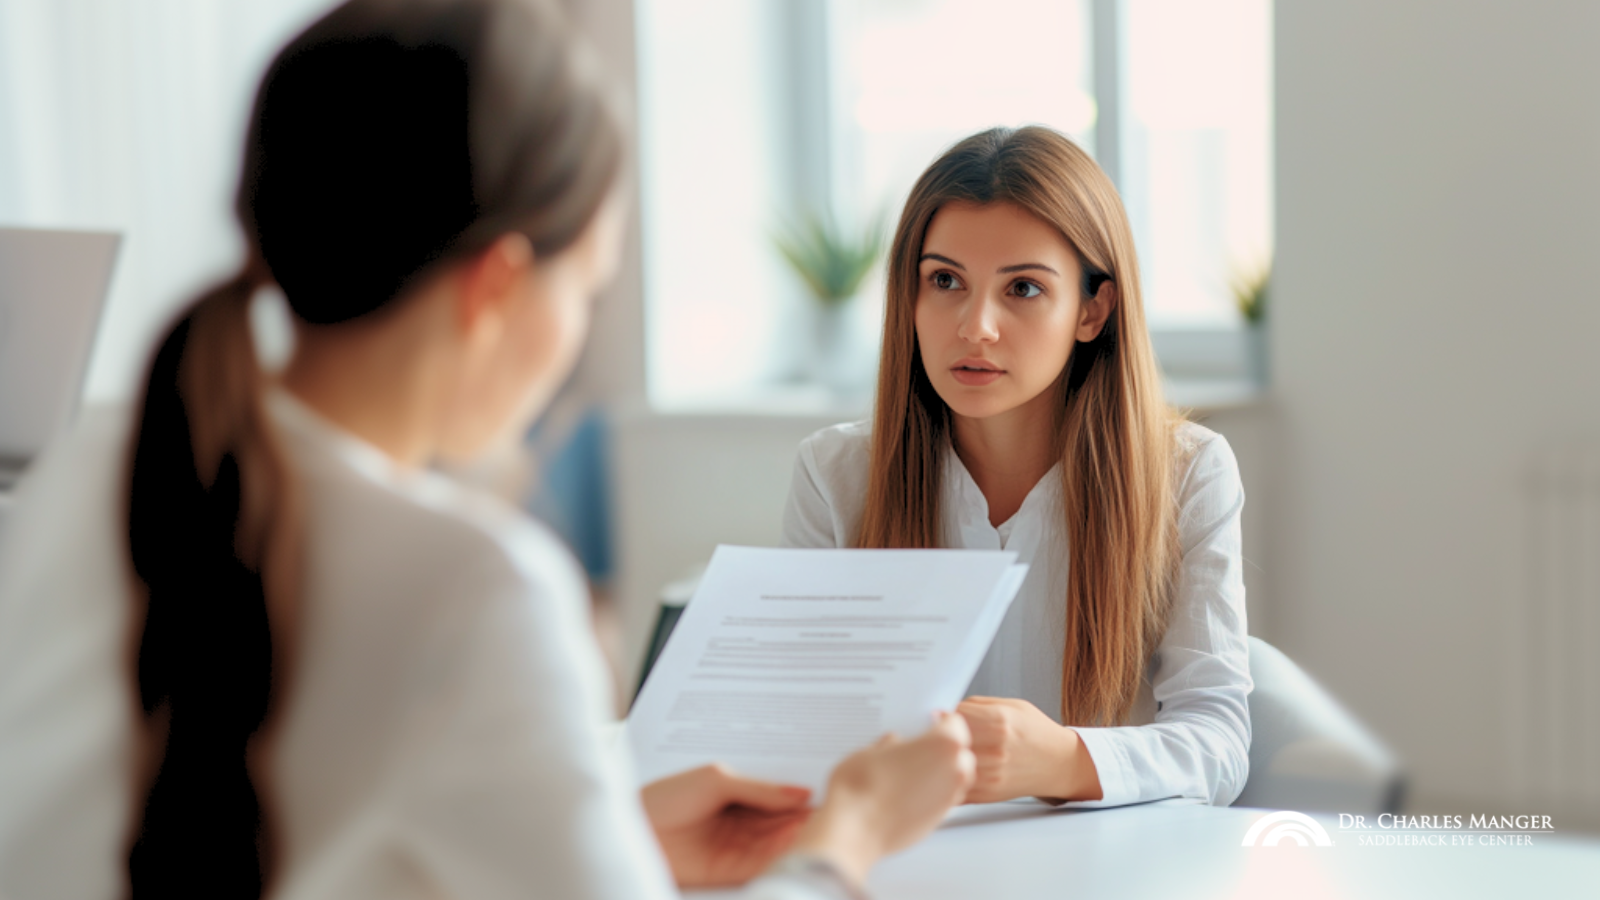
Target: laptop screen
(52, 288)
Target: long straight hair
(1116, 431)
(390, 137)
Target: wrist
(1076, 778)
(841, 833)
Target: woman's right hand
(886, 797)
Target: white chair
(1307, 752)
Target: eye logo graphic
(1297, 827)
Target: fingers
(951, 741)
(955, 726)
(768, 796)
(985, 725)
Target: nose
(979, 320)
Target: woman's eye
(945, 281)
(1027, 290)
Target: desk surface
(1171, 849)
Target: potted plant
(832, 263)
(1251, 288)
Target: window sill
(1203, 396)
(1199, 396)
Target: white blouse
(443, 735)
(1190, 735)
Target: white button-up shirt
(1190, 735)
(445, 734)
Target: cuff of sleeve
(801, 876)
(1111, 766)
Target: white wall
(130, 117)
(613, 362)
(1437, 203)
(1438, 207)
(685, 483)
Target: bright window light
(754, 113)
(919, 75)
(1197, 152)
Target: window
(1196, 162)
(915, 77)
(754, 113)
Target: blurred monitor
(666, 620)
(52, 288)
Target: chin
(975, 403)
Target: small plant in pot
(1251, 293)
(832, 263)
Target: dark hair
(390, 136)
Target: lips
(975, 372)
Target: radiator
(1557, 683)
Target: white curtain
(129, 115)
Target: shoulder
(422, 545)
(474, 593)
(836, 458)
(829, 486)
(431, 522)
(1200, 450)
(1208, 487)
(838, 446)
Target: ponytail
(388, 136)
(210, 527)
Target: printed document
(785, 661)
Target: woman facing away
(346, 675)
(1019, 407)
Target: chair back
(1307, 752)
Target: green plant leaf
(1251, 289)
(831, 262)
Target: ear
(1094, 312)
(492, 279)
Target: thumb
(954, 726)
(767, 796)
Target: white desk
(1175, 850)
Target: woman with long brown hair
(345, 674)
(1019, 407)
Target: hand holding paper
(785, 661)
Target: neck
(1007, 454)
(374, 378)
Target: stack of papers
(786, 661)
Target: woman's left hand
(719, 828)
(1023, 753)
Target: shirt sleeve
(514, 789)
(1199, 744)
(521, 791)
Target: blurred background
(1412, 395)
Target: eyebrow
(1023, 267)
(1004, 270)
(943, 259)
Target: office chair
(1307, 752)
